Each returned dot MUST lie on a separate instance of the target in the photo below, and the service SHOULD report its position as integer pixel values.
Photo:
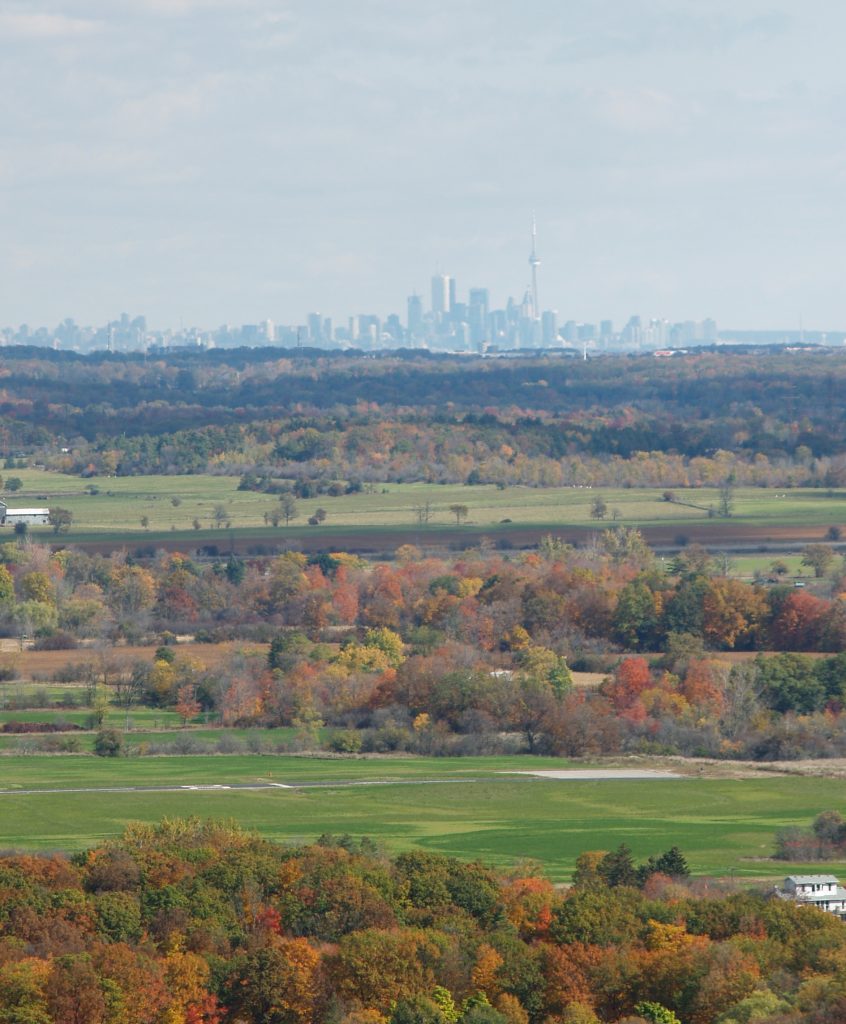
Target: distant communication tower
(534, 263)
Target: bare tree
(725, 562)
(460, 512)
(726, 502)
(128, 686)
(423, 513)
(287, 508)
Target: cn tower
(534, 263)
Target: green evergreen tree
(618, 868)
(673, 863)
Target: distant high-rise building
(687, 332)
(477, 314)
(443, 290)
(549, 328)
(286, 336)
(393, 327)
(369, 330)
(315, 327)
(479, 299)
(461, 337)
(498, 326)
(658, 333)
(415, 316)
(632, 333)
(709, 331)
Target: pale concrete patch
(597, 774)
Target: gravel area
(597, 774)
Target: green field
(123, 501)
(139, 717)
(748, 565)
(725, 827)
(164, 730)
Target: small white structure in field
(821, 891)
(30, 516)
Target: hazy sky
(220, 161)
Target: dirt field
(724, 536)
(587, 680)
(33, 664)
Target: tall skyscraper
(549, 322)
(534, 263)
(442, 292)
(479, 301)
(315, 327)
(415, 316)
(477, 314)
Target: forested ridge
(763, 416)
(193, 922)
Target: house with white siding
(821, 891)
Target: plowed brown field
(32, 664)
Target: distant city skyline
(212, 161)
(446, 324)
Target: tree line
(457, 655)
(772, 418)
(199, 922)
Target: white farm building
(30, 516)
(821, 891)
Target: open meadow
(463, 807)
(171, 505)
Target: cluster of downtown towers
(472, 326)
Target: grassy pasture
(141, 739)
(122, 501)
(724, 826)
(748, 565)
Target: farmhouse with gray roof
(821, 891)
